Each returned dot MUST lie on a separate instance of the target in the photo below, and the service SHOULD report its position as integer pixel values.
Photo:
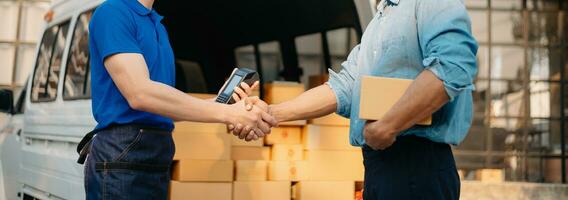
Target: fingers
(265, 128)
(236, 97)
(254, 85)
(377, 140)
(250, 102)
(230, 128)
(269, 119)
(247, 90)
(258, 132)
(262, 105)
(250, 136)
(237, 130)
(240, 92)
(243, 133)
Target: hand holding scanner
(238, 76)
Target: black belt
(101, 166)
(84, 146)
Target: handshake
(249, 118)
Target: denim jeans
(412, 168)
(129, 162)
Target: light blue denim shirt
(403, 39)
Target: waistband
(407, 142)
(133, 128)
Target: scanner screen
(232, 84)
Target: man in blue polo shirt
(135, 104)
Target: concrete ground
(476, 190)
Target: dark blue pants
(129, 162)
(412, 168)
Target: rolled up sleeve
(449, 49)
(342, 83)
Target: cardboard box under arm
(379, 94)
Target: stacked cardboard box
(279, 92)
(251, 160)
(328, 190)
(327, 167)
(202, 160)
(315, 158)
(202, 167)
(333, 165)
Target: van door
(45, 168)
(10, 153)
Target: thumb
(249, 102)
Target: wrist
(387, 128)
(225, 114)
(277, 112)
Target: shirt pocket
(395, 55)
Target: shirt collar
(137, 7)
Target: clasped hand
(251, 120)
(249, 117)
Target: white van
(45, 123)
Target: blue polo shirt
(126, 26)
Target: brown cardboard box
(284, 135)
(261, 190)
(251, 170)
(335, 165)
(197, 127)
(201, 191)
(378, 96)
(279, 92)
(327, 138)
(317, 80)
(490, 175)
(203, 170)
(201, 141)
(294, 123)
(330, 120)
(288, 152)
(328, 190)
(250, 153)
(242, 143)
(461, 174)
(287, 171)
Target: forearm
(423, 97)
(161, 99)
(313, 103)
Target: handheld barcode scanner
(238, 76)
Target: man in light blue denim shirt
(429, 41)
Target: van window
(48, 63)
(20, 105)
(270, 59)
(77, 82)
(309, 54)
